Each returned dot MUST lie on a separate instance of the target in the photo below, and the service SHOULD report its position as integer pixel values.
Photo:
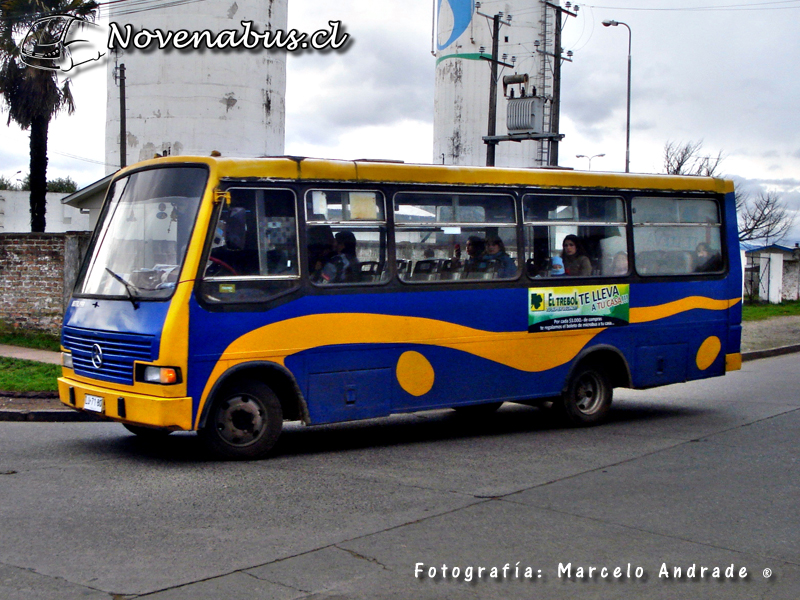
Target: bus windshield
(143, 235)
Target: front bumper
(126, 407)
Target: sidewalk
(760, 339)
(45, 356)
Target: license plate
(93, 403)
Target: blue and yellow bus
(227, 296)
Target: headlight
(159, 375)
(66, 360)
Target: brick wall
(37, 273)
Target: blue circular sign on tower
(454, 18)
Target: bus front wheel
(587, 398)
(244, 421)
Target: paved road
(704, 474)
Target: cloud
(695, 75)
(384, 78)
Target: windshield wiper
(133, 296)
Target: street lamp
(589, 157)
(610, 23)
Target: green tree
(62, 185)
(32, 96)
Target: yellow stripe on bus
(646, 314)
(518, 350)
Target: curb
(54, 415)
(756, 354)
(67, 415)
(28, 394)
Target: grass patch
(760, 311)
(28, 376)
(29, 339)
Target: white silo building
(193, 101)
(462, 43)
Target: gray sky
(723, 72)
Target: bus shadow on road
(440, 426)
(447, 425)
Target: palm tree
(32, 95)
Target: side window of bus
(446, 237)
(577, 236)
(346, 237)
(676, 236)
(253, 253)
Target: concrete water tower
(194, 101)
(462, 43)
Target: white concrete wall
(191, 102)
(15, 214)
(771, 284)
(791, 279)
(461, 97)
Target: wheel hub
(588, 393)
(240, 421)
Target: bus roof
(312, 169)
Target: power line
(91, 160)
(126, 7)
(131, 7)
(712, 8)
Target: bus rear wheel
(244, 422)
(587, 398)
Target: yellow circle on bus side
(414, 373)
(708, 352)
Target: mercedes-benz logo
(97, 356)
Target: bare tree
(686, 159)
(764, 217)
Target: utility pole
(556, 108)
(491, 147)
(556, 116)
(123, 142)
(491, 140)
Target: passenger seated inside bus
(343, 267)
(496, 254)
(706, 260)
(475, 249)
(619, 264)
(576, 262)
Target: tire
(244, 421)
(147, 433)
(587, 398)
(477, 411)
